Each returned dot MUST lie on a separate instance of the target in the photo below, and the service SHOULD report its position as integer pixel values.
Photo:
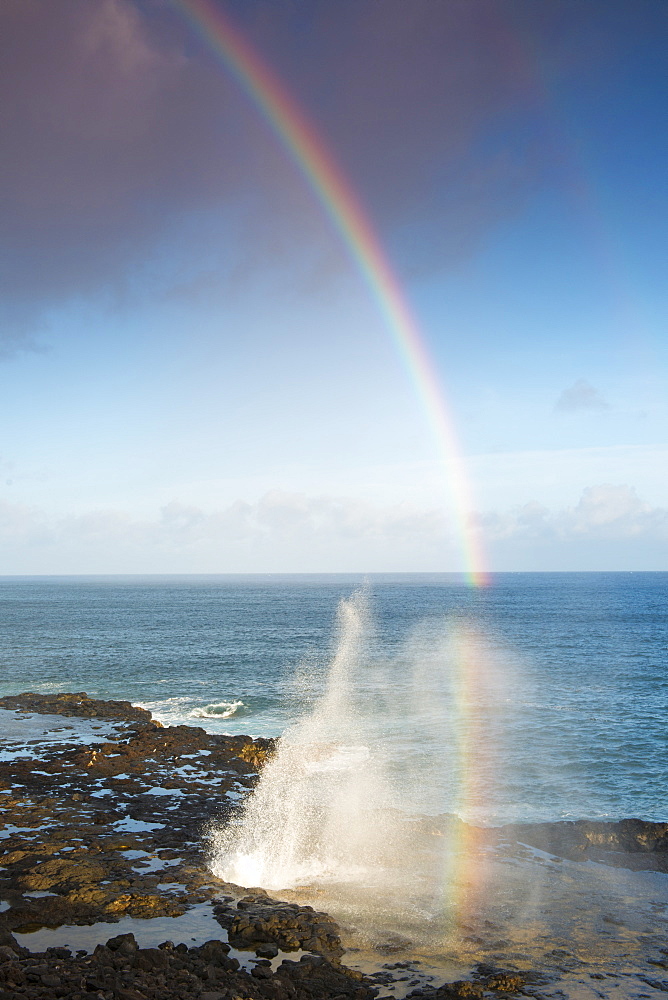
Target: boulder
(256, 921)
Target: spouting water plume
(308, 818)
(361, 808)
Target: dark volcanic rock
(466, 989)
(123, 971)
(97, 833)
(313, 976)
(117, 829)
(629, 843)
(77, 705)
(256, 921)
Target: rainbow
(476, 762)
(347, 216)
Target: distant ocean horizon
(542, 696)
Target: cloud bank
(288, 532)
(605, 512)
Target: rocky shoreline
(96, 834)
(104, 826)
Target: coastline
(105, 815)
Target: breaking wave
(219, 710)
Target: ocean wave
(219, 710)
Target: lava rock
(77, 705)
(628, 843)
(288, 926)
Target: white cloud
(294, 532)
(605, 512)
(281, 532)
(581, 396)
(611, 507)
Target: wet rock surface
(120, 970)
(483, 982)
(117, 829)
(103, 829)
(104, 815)
(637, 844)
(73, 705)
(261, 920)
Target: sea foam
(219, 710)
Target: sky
(195, 375)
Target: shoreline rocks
(113, 827)
(258, 921)
(637, 844)
(77, 705)
(120, 970)
(94, 834)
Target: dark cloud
(434, 109)
(109, 134)
(446, 114)
(120, 126)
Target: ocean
(543, 696)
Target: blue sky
(196, 379)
